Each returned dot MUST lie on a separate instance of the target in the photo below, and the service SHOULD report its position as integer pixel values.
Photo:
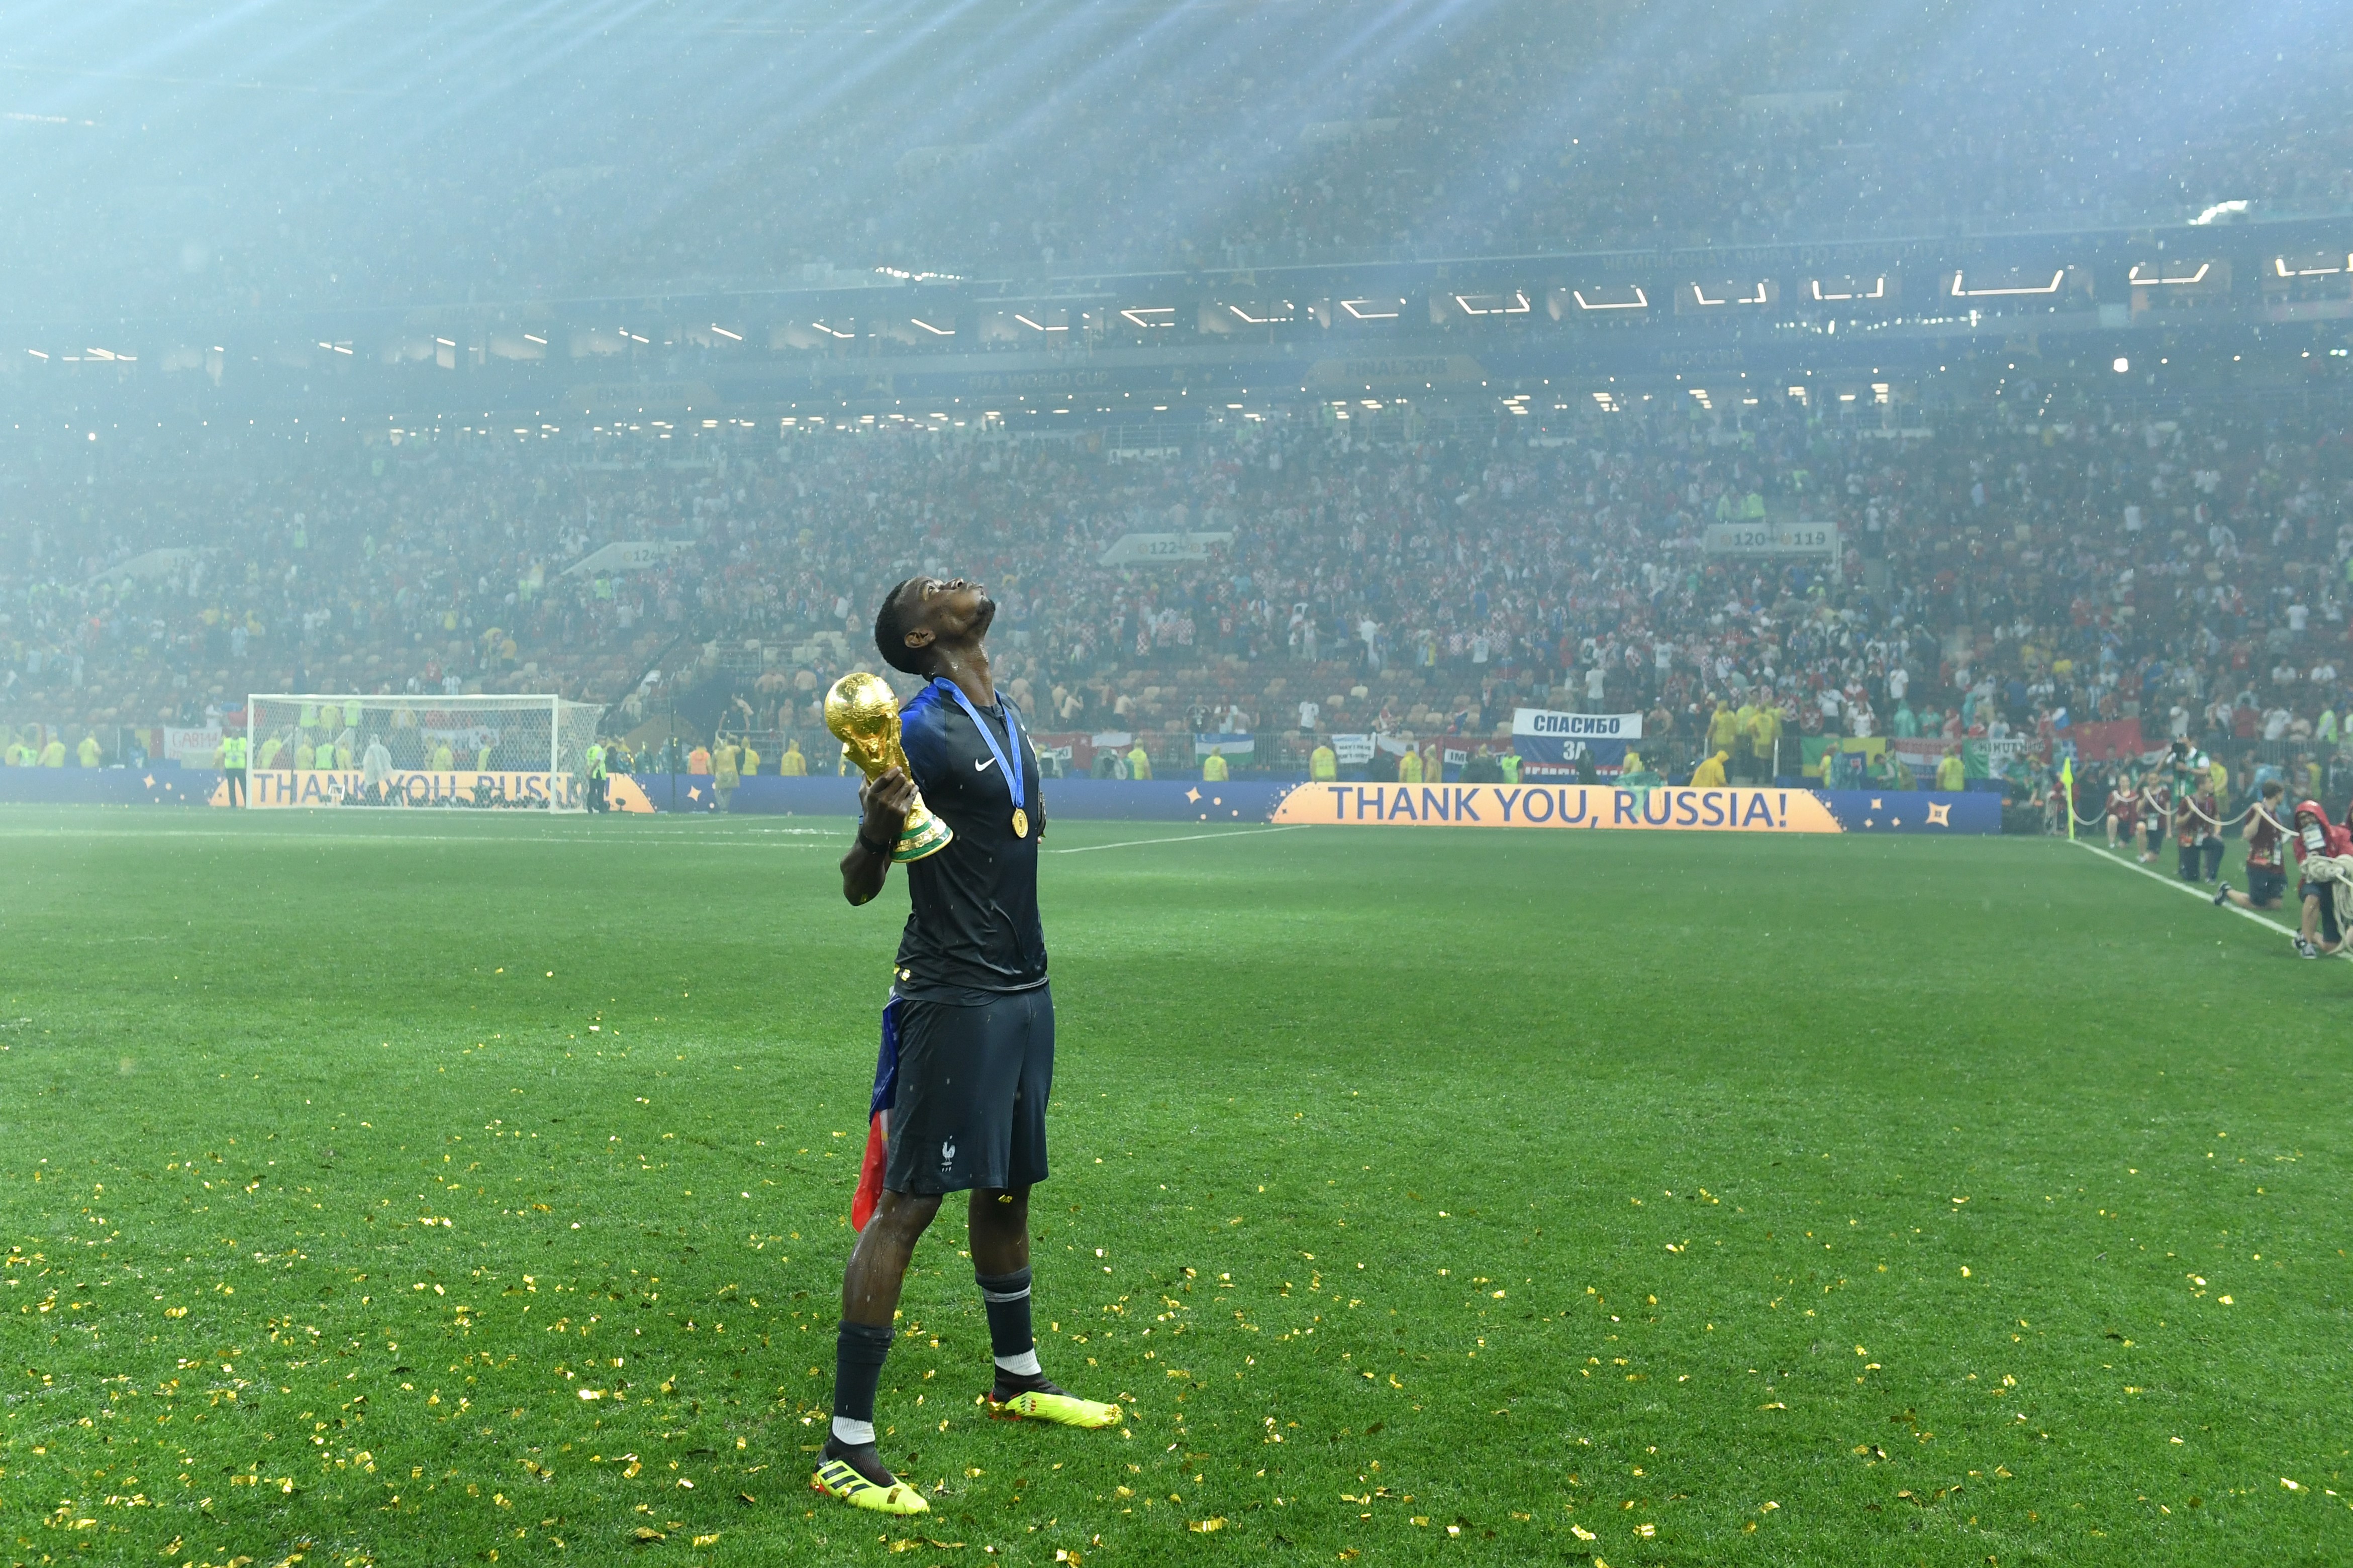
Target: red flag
(878, 1128)
(870, 1174)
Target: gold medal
(1020, 823)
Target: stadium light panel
(1837, 290)
(1038, 326)
(1614, 297)
(822, 327)
(1150, 316)
(2311, 267)
(1271, 319)
(731, 337)
(2168, 275)
(936, 331)
(1373, 310)
(1514, 303)
(1961, 291)
(1733, 294)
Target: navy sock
(858, 1353)
(1007, 1297)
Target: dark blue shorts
(2326, 895)
(970, 1109)
(2265, 884)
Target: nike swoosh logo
(983, 766)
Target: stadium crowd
(1231, 141)
(2002, 579)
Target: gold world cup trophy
(863, 715)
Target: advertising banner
(1770, 538)
(1143, 549)
(628, 555)
(1980, 758)
(1550, 742)
(1988, 759)
(191, 748)
(341, 786)
(1665, 807)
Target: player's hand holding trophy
(863, 715)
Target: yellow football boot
(839, 1478)
(1050, 1403)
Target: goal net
(452, 753)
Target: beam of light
(2219, 211)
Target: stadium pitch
(447, 1189)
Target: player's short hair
(890, 633)
(2273, 789)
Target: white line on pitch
(2182, 886)
(1175, 838)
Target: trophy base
(923, 835)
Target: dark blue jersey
(974, 925)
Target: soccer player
(975, 1021)
(2266, 880)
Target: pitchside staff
(2266, 878)
(975, 1027)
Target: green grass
(1802, 1200)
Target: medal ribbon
(1012, 731)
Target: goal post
(523, 752)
